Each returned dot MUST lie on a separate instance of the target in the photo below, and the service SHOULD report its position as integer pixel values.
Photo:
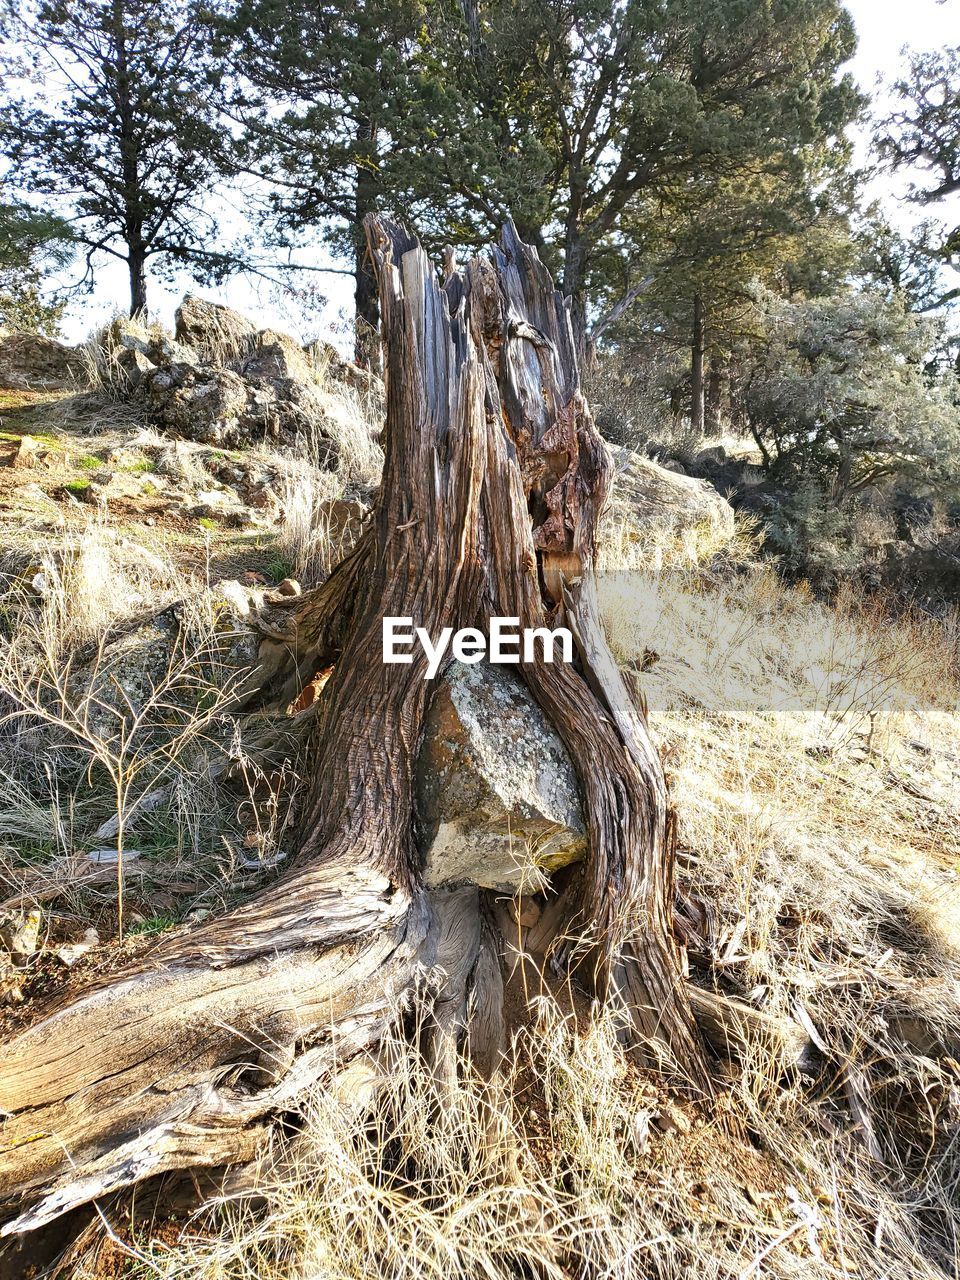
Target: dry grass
(813, 757)
(814, 764)
(74, 593)
(110, 704)
(564, 1173)
(814, 767)
(309, 540)
(554, 1177)
(347, 420)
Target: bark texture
(697, 354)
(494, 480)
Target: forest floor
(813, 755)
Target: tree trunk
(494, 480)
(367, 311)
(366, 295)
(137, 266)
(714, 397)
(696, 368)
(573, 286)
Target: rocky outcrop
(137, 351)
(651, 498)
(30, 362)
(272, 356)
(234, 410)
(207, 405)
(223, 382)
(218, 334)
(496, 793)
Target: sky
(884, 28)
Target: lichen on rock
(496, 792)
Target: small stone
(29, 453)
(20, 935)
(71, 952)
(671, 1119)
(342, 519)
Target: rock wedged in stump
(497, 794)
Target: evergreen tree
(31, 244)
(842, 392)
(580, 120)
(324, 94)
(605, 122)
(923, 133)
(788, 231)
(123, 133)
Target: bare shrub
(68, 697)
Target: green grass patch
(12, 401)
(207, 522)
(140, 464)
(91, 462)
(77, 486)
(278, 569)
(45, 437)
(33, 852)
(159, 836)
(159, 923)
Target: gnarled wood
(494, 480)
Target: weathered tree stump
(494, 480)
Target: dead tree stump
(494, 480)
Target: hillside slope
(815, 769)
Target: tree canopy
(843, 391)
(31, 244)
(122, 131)
(923, 134)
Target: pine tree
(923, 133)
(324, 98)
(123, 134)
(31, 244)
(598, 121)
(577, 120)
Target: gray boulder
(139, 351)
(650, 498)
(30, 362)
(274, 355)
(211, 406)
(496, 792)
(219, 334)
(220, 407)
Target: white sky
(884, 27)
